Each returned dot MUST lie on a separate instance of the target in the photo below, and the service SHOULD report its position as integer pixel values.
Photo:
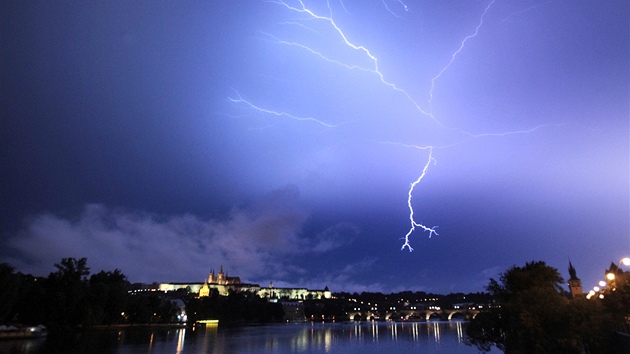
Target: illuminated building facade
(293, 293)
(223, 284)
(222, 279)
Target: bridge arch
(433, 315)
(359, 316)
(415, 316)
(456, 314)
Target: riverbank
(140, 325)
(12, 332)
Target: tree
(617, 295)
(32, 305)
(66, 298)
(149, 309)
(536, 316)
(71, 271)
(203, 308)
(108, 295)
(66, 290)
(10, 283)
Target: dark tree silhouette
(536, 316)
(108, 297)
(10, 283)
(67, 299)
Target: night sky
(280, 139)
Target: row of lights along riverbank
(610, 282)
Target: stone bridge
(415, 315)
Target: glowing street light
(610, 282)
(625, 261)
(612, 277)
(590, 294)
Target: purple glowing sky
(141, 135)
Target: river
(346, 338)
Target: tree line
(71, 297)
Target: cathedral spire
(572, 272)
(575, 284)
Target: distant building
(293, 311)
(575, 284)
(222, 279)
(273, 293)
(205, 290)
(223, 284)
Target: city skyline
(288, 140)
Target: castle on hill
(222, 279)
(223, 284)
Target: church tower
(575, 284)
(221, 276)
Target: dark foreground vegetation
(526, 310)
(72, 298)
(536, 315)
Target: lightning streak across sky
(374, 69)
(239, 99)
(301, 8)
(461, 47)
(391, 11)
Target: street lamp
(612, 277)
(610, 282)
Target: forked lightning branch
(308, 15)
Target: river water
(346, 338)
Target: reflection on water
(346, 338)
(180, 340)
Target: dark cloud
(250, 242)
(335, 236)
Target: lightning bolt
(415, 224)
(390, 10)
(301, 8)
(461, 47)
(374, 69)
(239, 99)
(317, 53)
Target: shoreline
(139, 325)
